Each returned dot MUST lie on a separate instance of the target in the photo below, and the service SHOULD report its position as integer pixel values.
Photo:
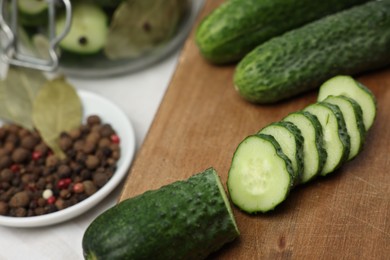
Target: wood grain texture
(199, 124)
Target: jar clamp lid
(11, 53)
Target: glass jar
(106, 37)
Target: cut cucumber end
(225, 199)
(260, 176)
(349, 87)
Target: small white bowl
(109, 113)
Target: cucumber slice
(347, 86)
(33, 12)
(260, 176)
(290, 140)
(32, 7)
(314, 154)
(336, 138)
(88, 32)
(353, 117)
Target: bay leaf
(19, 90)
(141, 25)
(57, 108)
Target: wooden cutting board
(199, 124)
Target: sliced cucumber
(348, 86)
(353, 117)
(32, 7)
(33, 12)
(314, 154)
(260, 176)
(336, 138)
(290, 140)
(88, 32)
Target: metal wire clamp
(11, 53)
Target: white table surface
(139, 95)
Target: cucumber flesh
(260, 176)
(32, 7)
(290, 140)
(336, 138)
(88, 32)
(32, 13)
(352, 114)
(348, 86)
(314, 154)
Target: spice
(33, 181)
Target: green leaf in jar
(17, 94)
(57, 108)
(141, 25)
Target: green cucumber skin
(348, 42)
(369, 92)
(299, 151)
(236, 26)
(319, 140)
(183, 220)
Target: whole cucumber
(349, 42)
(237, 26)
(184, 220)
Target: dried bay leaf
(17, 94)
(141, 25)
(57, 108)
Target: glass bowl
(102, 40)
(99, 65)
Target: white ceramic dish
(112, 114)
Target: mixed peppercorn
(33, 181)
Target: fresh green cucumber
(348, 42)
(236, 27)
(348, 86)
(184, 220)
(314, 154)
(336, 138)
(88, 32)
(32, 12)
(353, 117)
(260, 176)
(290, 140)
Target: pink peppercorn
(78, 188)
(51, 200)
(115, 139)
(36, 155)
(64, 183)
